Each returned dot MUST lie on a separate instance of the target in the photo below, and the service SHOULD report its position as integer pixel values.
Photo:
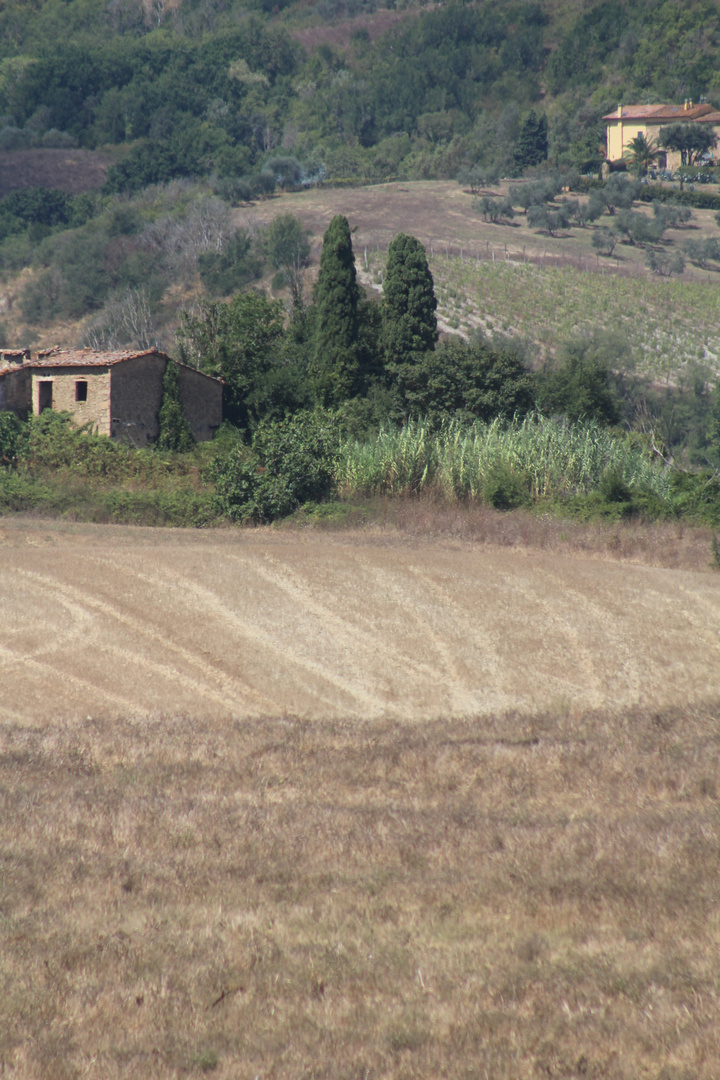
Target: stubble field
(355, 805)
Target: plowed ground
(133, 622)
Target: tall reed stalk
(555, 457)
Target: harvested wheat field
(139, 622)
(354, 806)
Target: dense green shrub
(14, 436)
(292, 462)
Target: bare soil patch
(139, 622)
(74, 171)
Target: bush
(14, 435)
(505, 487)
(231, 268)
(292, 462)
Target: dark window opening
(81, 390)
(45, 400)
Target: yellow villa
(628, 121)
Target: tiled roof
(49, 358)
(671, 113)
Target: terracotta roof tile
(48, 358)
(671, 113)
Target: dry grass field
(429, 801)
(440, 214)
(140, 622)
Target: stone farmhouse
(628, 121)
(120, 393)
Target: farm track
(111, 620)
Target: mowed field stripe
(246, 629)
(234, 688)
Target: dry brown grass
(673, 545)
(366, 624)
(439, 213)
(517, 896)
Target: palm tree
(641, 154)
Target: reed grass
(555, 459)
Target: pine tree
(336, 362)
(175, 432)
(409, 322)
(532, 145)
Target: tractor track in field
(121, 621)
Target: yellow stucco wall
(620, 133)
(97, 407)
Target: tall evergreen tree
(336, 361)
(409, 304)
(532, 144)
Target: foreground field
(505, 897)
(140, 622)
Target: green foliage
(640, 154)
(409, 324)
(701, 200)
(672, 215)
(638, 229)
(336, 364)
(495, 210)
(666, 263)
(505, 487)
(552, 458)
(690, 140)
(242, 342)
(604, 240)
(292, 462)
(231, 268)
(532, 145)
(550, 220)
(43, 210)
(703, 252)
(174, 434)
(579, 385)
(465, 382)
(287, 246)
(14, 434)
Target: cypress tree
(409, 322)
(336, 361)
(175, 431)
(532, 145)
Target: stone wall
(95, 410)
(201, 399)
(15, 392)
(136, 397)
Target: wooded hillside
(191, 88)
